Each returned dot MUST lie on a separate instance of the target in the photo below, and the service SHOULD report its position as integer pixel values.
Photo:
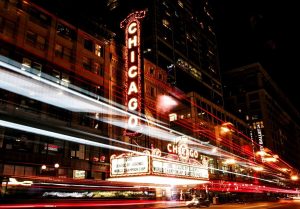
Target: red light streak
(88, 203)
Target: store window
(78, 151)
(18, 170)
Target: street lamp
(44, 167)
(56, 165)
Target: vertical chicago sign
(133, 66)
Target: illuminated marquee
(179, 169)
(129, 165)
(133, 81)
(182, 150)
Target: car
(197, 202)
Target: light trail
(61, 136)
(61, 96)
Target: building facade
(179, 37)
(63, 98)
(253, 96)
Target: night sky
(263, 31)
(247, 31)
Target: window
(7, 27)
(160, 77)
(56, 75)
(99, 50)
(65, 32)
(180, 3)
(88, 44)
(77, 151)
(152, 91)
(31, 37)
(63, 52)
(37, 66)
(41, 42)
(65, 81)
(172, 116)
(151, 71)
(67, 53)
(26, 62)
(1, 24)
(35, 40)
(166, 23)
(87, 63)
(58, 50)
(38, 17)
(98, 69)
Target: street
(282, 204)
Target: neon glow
(133, 83)
(182, 150)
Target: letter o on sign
(132, 121)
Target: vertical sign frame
(133, 67)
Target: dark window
(88, 44)
(58, 50)
(31, 37)
(87, 63)
(152, 91)
(63, 52)
(65, 31)
(38, 17)
(160, 77)
(151, 71)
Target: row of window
(51, 147)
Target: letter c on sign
(132, 28)
(132, 72)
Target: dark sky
(248, 31)
(262, 31)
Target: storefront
(172, 174)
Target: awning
(158, 180)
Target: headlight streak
(239, 174)
(61, 136)
(92, 109)
(83, 141)
(147, 130)
(97, 144)
(30, 129)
